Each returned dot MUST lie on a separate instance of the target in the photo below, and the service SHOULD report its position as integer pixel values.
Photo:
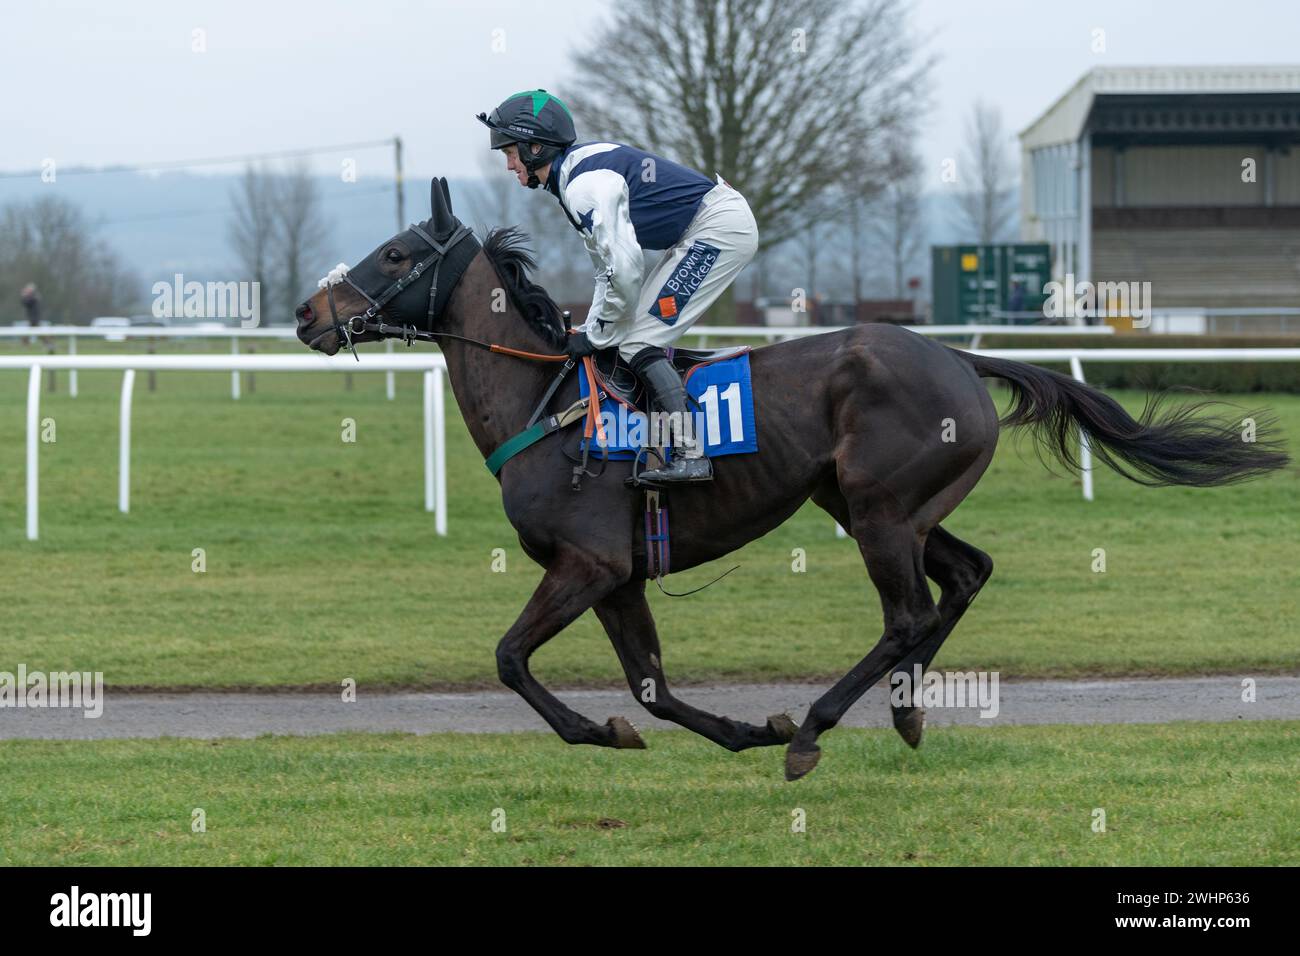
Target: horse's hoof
(783, 726)
(625, 734)
(799, 763)
(910, 726)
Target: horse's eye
(394, 255)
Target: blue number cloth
(723, 393)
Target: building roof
(1064, 120)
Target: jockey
(624, 201)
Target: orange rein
(593, 402)
(534, 356)
(594, 424)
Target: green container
(973, 282)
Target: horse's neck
(496, 393)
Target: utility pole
(401, 206)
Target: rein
(410, 334)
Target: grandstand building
(1184, 177)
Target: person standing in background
(31, 300)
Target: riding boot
(688, 461)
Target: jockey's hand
(579, 345)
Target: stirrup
(681, 471)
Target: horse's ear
(440, 207)
(446, 194)
(435, 199)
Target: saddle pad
(725, 398)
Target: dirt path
(1028, 702)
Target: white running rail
(434, 368)
(431, 364)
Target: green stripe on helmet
(539, 98)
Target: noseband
(369, 320)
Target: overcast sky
(99, 83)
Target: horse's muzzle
(310, 332)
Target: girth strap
(533, 434)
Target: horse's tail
(1166, 446)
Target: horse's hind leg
(960, 570)
(631, 628)
(893, 550)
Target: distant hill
(177, 222)
(162, 224)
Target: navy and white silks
(625, 201)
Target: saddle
(610, 378)
(620, 383)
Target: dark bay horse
(886, 430)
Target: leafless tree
(497, 199)
(494, 200)
(50, 242)
(985, 174)
(300, 231)
(781, 99)
(279, 234)
(809, 246)
(562, 257)
(896, 217)
(856, 201)
(251, 230)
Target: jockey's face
(515, 166)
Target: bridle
(370, 321)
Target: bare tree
(498, 200)
(897, 213)
(300, 229)
(808, 243)
(49, 242)
(856, 199)
(493, 200)
(781, 99)
(251, 231)
(985, 202)
(278, 233)
(562, 257)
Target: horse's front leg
(572, 584)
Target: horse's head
(394, 285)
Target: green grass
(322, 564)
(1180, 794)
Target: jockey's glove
(579, 345)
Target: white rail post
(436, 437)
(428, 442)
(435, 451)
(124, 444)
(33, 449)
(72, 373)
(234, 375)
(390, 377)
(1085, 451)
(839, 531)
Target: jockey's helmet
(533, 116)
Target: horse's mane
(507, 249)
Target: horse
(886, 430)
